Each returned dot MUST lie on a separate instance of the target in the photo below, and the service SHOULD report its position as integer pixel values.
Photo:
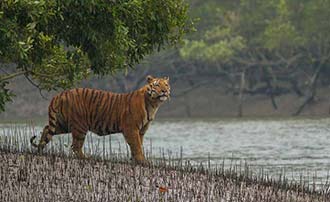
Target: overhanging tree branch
(13, 75)
(35, 85)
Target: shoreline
(28, 177)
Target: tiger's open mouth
(163, 97)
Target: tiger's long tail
(32, 141)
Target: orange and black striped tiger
(80, 110)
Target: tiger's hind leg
(78, 139)
(47, 135)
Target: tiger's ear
(166, 78)
(150, 78)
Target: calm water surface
(296, 147)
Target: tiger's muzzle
(164, 96)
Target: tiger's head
(158, 89)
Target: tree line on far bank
(269, 47)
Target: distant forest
(255, 47)
(249, 47)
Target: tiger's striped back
(101, 112)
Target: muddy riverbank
(30, 177)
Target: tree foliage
(277, 26)
(55, 43)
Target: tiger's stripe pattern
(80, 110)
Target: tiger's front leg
(143, 131)
(78, 139)
(133, 139)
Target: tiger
(80, 110)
